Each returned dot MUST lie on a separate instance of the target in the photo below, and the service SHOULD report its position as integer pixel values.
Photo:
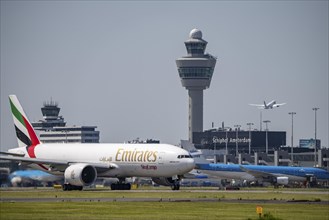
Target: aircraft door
(161, 158)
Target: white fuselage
(138, 160)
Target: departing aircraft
(277, 175)
(269, 105)
(81, 164)
(26, 177)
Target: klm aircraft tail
(25, 133)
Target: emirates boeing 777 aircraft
(81, 164)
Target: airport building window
(200, 72)
(195, 48)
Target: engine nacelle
(80, 174)
(164, 181)
(282, 180)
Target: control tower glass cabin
(51, 118)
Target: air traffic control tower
(195, 71)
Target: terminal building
(239, 141)
(258, 147)
(52, 128)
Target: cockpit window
(184, 156)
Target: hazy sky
(112, 64)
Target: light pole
(236, 139)
(315, 109)
(226, 140)
(260, 121)
(266, 122)
(215, 157)
(250, 124)
(292, 135)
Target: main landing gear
(69, 187)
(121, 185)
(175, 185)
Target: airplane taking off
(276, 175)
(269, 105)
(81, 164)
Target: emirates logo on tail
(25, 133)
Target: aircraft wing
(260, 106)
(59, 164)
(258, 174)
(12, 154)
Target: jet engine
(167, 181)
(282, 180)
(80, 174)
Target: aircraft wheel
(175, 186)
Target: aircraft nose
(190, 164)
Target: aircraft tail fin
(25, 133)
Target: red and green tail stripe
(32, 139)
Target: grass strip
(157, 210)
